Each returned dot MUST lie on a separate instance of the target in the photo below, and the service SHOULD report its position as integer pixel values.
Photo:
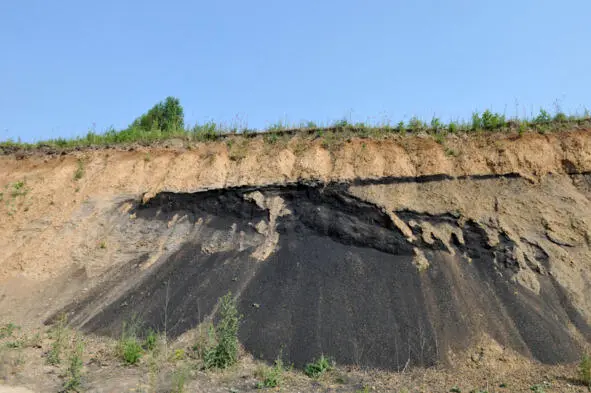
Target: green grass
(165, 121)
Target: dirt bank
(377, 252)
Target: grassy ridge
(165, 121)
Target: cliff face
(378, 253)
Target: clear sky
(69, 65)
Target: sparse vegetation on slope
(165, 121)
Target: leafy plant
(317, 367)
(584, 370)
(455, 389)
(225, 352)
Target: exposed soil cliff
(379, 253)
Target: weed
(365, 389)
(455, 389)
(271, 138)
(584, 370)
(436, 125)
(451, 152)
(59, 334)
(206, 132)
(343, 123)
(225, 352)
(492, 121)
(150, 340)
(179, 380)
(19, 189)
(7, 330)
(400, 127)
(560, 117)
(147, 157)
(317, 367)
(522, 128)
(79, 170)
(273, 376)
(279, 126)
(103, 245)
(537, 389)
(452, 127)
(15, 344)
(439, 138)
(73, 380)
(178, 354)
(416, 125)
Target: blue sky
(67, 66)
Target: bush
(543, 117)
(317, 367)
(585, 370)
(225, 353)
(129, 348)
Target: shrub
(585, 370)
(129, 348)
(492, 121)
(543, 117)
(225, 353)
(318, 367)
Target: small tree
(167, 116)
(225, 353)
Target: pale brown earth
(57, 237)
